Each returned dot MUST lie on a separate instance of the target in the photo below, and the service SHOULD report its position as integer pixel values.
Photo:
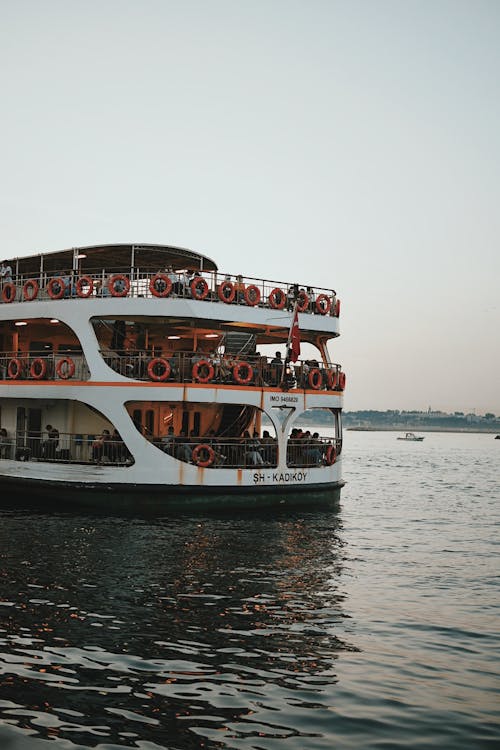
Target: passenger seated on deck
(252, 450)
(167, 442)
(183, 449)
(49, 446)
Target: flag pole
(288, 343)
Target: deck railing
(43, 365)
(208, 452)
(211, 287)
(251, 371)
(226, 369)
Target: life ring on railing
(207, 366)
(304, 304)
(124, 283)
(336, 309)
(15, 369)
(160, 279)
(315, 378)
(238, 377)
(84, 281)
(153, 364)
(199, 288)
(323, 304)
(56, 288)
(226, 292)
(209, 453)
(38, 369)
(341, 380)
(277, 299)
(11, 289)
(34, 286)
(333, 379)
(252, 295)
(65, 368)
(330, 455)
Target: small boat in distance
(412, 437)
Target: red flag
(294, 338)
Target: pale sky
(352, 145)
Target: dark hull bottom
(16, 493)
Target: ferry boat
(137, 374)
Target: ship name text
(280, 477)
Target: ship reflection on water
(182, 632)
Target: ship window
(69, 349)
(137, 419)
(150, 422)
(185, 422)
(40, 346)
(197, 423)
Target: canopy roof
(117, 257)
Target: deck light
(173, 337)
(54, 320)
(211, 335)
(21, 323)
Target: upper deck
(153, 271)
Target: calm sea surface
(376, 626)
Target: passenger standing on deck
(5, 273)
(49, 447)
(4, 443)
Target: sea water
(372, 626)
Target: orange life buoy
(207, 367)
(15, 369)
(252, 295)
(199, 287)
(341, 380)
(9, 292)
(333, 379)
(209, 453)
(38, 368)
(302, 301)
(238, 377)
(165, 371)
(56, 288)
(125, 281)
(34, 286)
(84, 281)
(330, 455)
(226, 291)
(277, 299)
(336, 309)
(323, 304)
(65, 368)
(315, 378)
(163, 281)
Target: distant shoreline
(475, 430)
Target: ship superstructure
(142, 370)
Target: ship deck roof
(140, 255)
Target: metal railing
(182, 367)
(208, 452)
(65, 447)
(43, 365)
(211, 287)
(226, 369)
(249, 452)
